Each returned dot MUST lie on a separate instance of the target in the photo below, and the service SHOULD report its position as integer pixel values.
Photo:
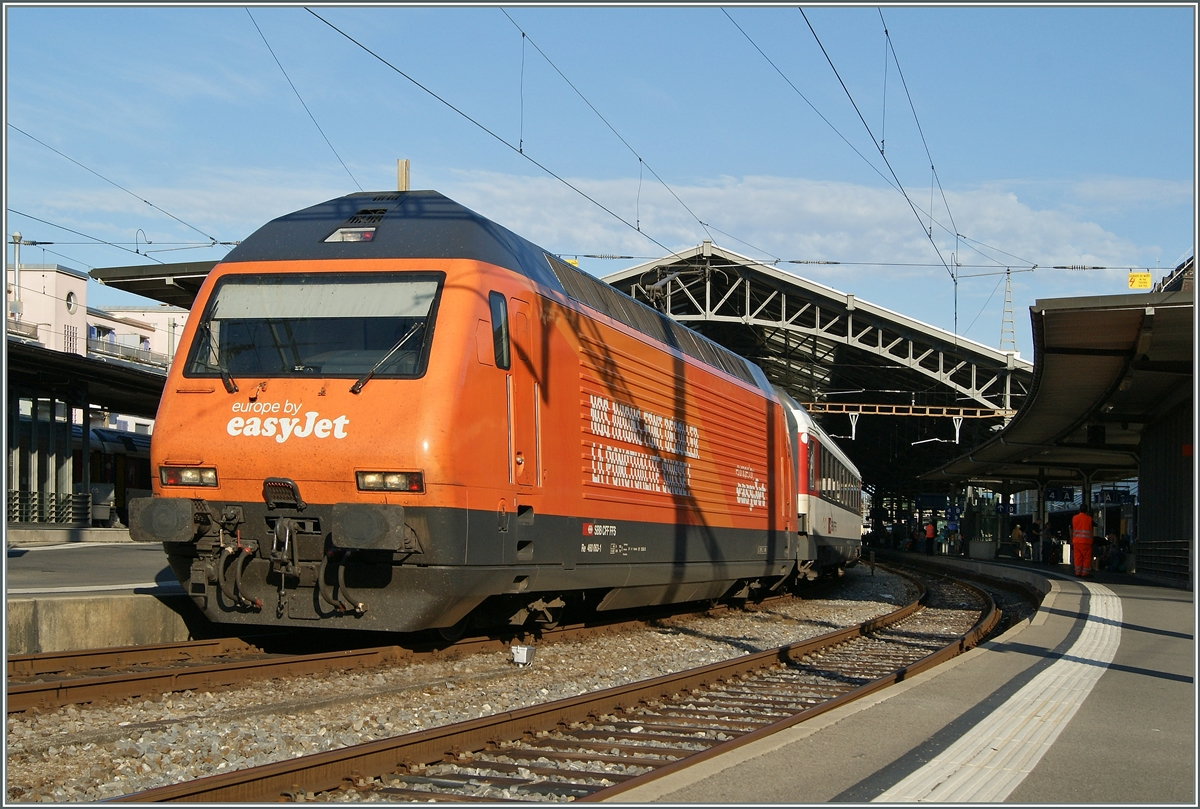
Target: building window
(71, 339)
(72, 303)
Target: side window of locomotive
(337, 324)
(499, 309)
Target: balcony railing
(128, 352)
(29, 330)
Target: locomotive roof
(408, 224)
(426, 224)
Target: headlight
(187, 475)
(391, 481)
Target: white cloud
(789, 219)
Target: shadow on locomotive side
(394, 414)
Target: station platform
(1091, 700)
(101, 591)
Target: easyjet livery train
(390, 413)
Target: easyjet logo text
(283, 428)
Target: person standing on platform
(1018, 541)
(1035, 540)
(1081, 542)
(930, 533)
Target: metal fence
(128, 352)
(47, 507)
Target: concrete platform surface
(86, 567)
(1090, 701)
(92, 595)
(32, 536)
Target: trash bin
(103, 499)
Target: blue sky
(1060, 136)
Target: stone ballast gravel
(83, 753)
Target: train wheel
(454, 632)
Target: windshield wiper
(400, 343)
(214, 352)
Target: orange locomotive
(391, 413)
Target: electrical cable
(297, 92)
(521, 132)
(916, 120)
(84, 235)
(928, 233)
(777, 260)
(544, 168)
(985, 305)
(212, 239)
(836, 131)
(612, 129)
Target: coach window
(499, 328)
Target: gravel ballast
(84, 753)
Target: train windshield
(339, 325)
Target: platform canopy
(108, 382)
(1105, 367)
(905, 387)
(174, 284)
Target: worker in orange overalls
(1081, 542)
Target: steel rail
(988, 620)
(309, 775)
(68, 690)
(24, 696)
(35, 665)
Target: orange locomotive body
(391, 413)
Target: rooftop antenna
(1008, 335)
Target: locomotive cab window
(332, 325)
(499, 309)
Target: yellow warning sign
(1140, 280)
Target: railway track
(54, 679)
(600, 744)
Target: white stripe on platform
(83, 588)
(992, 758)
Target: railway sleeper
(549, 772)
(700, 738)
(536, 754)
(613, 746)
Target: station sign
(1112, 497)
(1006, 508)
(1060, 494)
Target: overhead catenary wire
(916, 119)
(985, 305)
(641, 161)
(301, 100)
(497, 137)
(855, 149)
(867, 126)
(211, 238)
(84, 235)
(952, 231)
(820, 115)
(935, 180)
